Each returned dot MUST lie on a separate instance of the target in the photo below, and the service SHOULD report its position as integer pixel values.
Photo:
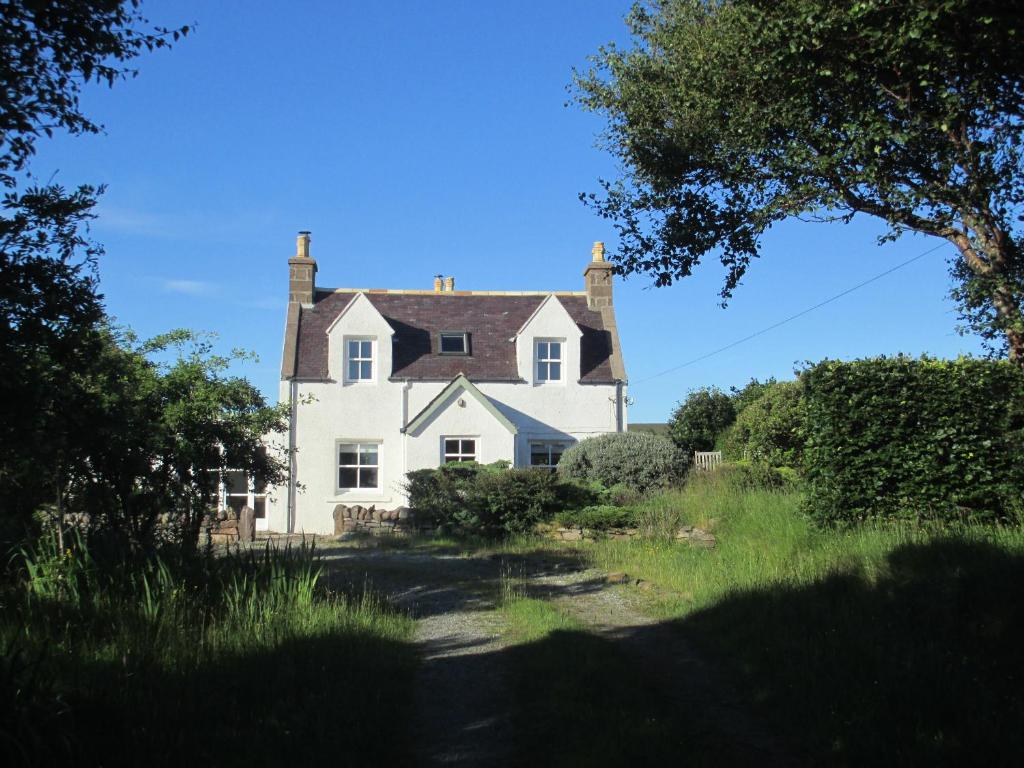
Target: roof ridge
(426, 292)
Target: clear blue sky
(416, 138)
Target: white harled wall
(333, 411)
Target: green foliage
(770, 429)
(488, 499)
(749, 393)
(728, 117)
(920, 439)
(158, 420)
(634, 459)
(50, 312)
(757, 476)
(697, 421)
(600, 517)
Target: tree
(698, 420)
(731, 115)
(749, 393)
(48, 51)
(770, 430)
(159, 421)
(50, 308)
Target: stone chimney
(302, 273)
(597, 278)
(449, 283)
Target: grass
(872, 645)
(575, 698)
(237, 660)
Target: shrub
(634, 459)
(770, 430)
(911, 438)
(600, 517)
(757, 476)
(696, 422)
(488, 498)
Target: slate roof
(491, 320)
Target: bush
(920, 439)
(770, 430)
(757, 476)
(489, 498)
(637, 460)
(696, 422)
(600, 517)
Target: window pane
(556, 454)
(367, 478)
(235, 482)
(542, 371)
(368, 455)
(469, 446)
(542, 349)
(347, 477)
(454, 343)
(365, 370)
(538, 456)
(353, 349)
(451, 446)
(554, 371)
(260, 508)
(555, 350)
(366, 349)
(353, 370)
(347, 455)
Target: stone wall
(377, 522)
(696, 536)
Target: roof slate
(490, 320)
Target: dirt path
(462, 697)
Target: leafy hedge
(638, 460)
(914, 438)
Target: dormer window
(549, 360)
(454, 343)
(359, 359)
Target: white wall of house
(376, 412)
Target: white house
(381, 382)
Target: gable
(459, 393)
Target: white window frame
(359, 443)
(562, 445)
(372, 359)
(541, 363)
(460, 454)
(251, 496)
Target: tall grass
(876, 644)
(224, 659)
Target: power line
(791, 318)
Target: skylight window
(454, 343)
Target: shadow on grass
(920, 667)
(334, 698)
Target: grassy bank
(237, 660)
(878, 644)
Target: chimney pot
(598, 251)
(302, 244)
(438, 285)
(449, 283)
